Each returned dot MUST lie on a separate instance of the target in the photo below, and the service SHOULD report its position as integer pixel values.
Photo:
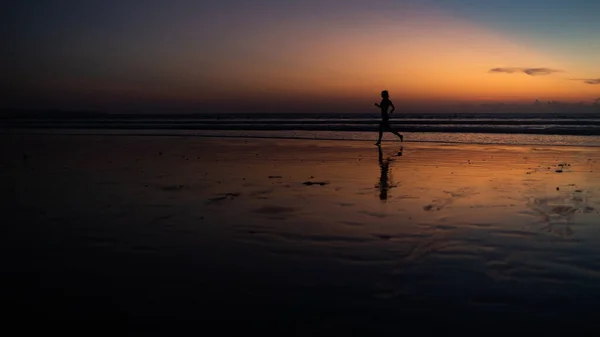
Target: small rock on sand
(309, 183)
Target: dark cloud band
(528, 71)
(587, 80)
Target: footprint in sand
(374, 214)
(226, 196)
(320, 183)
(171, 188)
(272, 209)
(439, 204)
(559, 211)
(261, 194)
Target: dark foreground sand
(169, 235)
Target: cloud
(587, 80)
(528, 71)
(504, 70)
(539, 71)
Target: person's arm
(377, 105)
(393, 107)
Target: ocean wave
(543, 124)
(582, 129)
(355, 136)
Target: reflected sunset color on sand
(272, 229)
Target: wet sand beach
(312, 237)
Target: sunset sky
(273, 55)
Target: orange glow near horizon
(422, 56)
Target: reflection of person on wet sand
(385, 117)
(384, 177)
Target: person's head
(385, 94)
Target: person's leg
(380, 133)
(397, 134)
(389, 128)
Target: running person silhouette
(385, 117)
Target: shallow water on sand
(319, 235)
(465, 137)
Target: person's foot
(378, 143)
(401, 138)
